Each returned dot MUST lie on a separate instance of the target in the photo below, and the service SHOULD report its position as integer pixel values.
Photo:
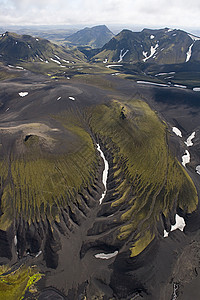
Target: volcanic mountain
(163, 46)
(22, 48)
(99, 178)
(94, 37)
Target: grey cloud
(178, 13)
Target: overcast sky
(149, 13)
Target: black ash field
(57, 240)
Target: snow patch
(180, 86)
(196, 89)
(161, 74)
(57, 57)
(56, 61)
(177, 131)
(20, 68)
(198, 169)
(189, 53)
(23, 94)
(152, 37)
(152, 50)
(169, 30)
(7, 108)
(39, 253)
(66, 61)
(121, 55)
(189, 142)
(166, 234)
(180, 224)
(37, 40)
(194, 38)
(15, 240)
(72, 98)
(110, 66)
(106, 256)
(105, 60)
(186, 158)
(152, 83)
(105, 173)
(59, 98)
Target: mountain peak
(94, 37)
(160, 46)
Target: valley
(93, 178)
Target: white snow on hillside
(177, 131)
(57, 57)
(121, 55)
(152, 83)
(180, 224)
(110, 66)
(198, 169)
(152, 50)
(106, 256)
(180, 86)
(194, 38)
(72, 98)
(186, 158)
(196, 89)
(56, 61)
(161, 74)
(66, 61)
(189, 53)
(152, 37)
(23, 94)
(189, 142)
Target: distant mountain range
(164, 46)
(95, 37)
(160, 47)
(15, 48)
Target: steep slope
(164, 46)
(51, 185)
(94, 37)
(22, 48)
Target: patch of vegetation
(39, 183)
(152, 181)
(14, 284)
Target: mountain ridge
(94, 37)
(160, 46)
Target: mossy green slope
(153, 182)
(14, 284)
(38, 183)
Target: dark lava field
(57, 239)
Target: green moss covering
(40, 183)
(153, 179)
(14, 284)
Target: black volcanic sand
(77, 274)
